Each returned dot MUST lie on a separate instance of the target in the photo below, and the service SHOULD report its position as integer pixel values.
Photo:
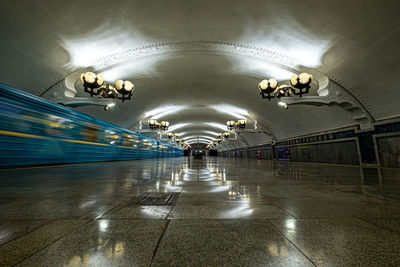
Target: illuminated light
(198, 136)
(290, 225)
(215, 125)
(200, 133)
(243, 211)
(111, 105)
(219, 188)
(103, 225)
(124, 85)
(99, 42)
(198, 140)
(283, 104)
(181, 134)
(87, 204)
(164, 111)
(119, 249)
(230, 110)
(210, 132)
(261, 68)
(273, 250)
(194, 141)
(179, 125)
(232, 193)
(290, 39)
(305, 78)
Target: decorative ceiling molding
(331, 91)
(175, 48)
(133, 55)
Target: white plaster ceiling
(200, 54)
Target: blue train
(34, 131)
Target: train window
(56, 126)
(131, 140)
(20, 119)
(90, 134)
(147, 144)
(154, 146)
(112, 137)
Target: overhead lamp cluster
(214, 143)
(94, 85)
(175, 137)
(240, 124)
(224, 135)
(299, 85)
(154, 125)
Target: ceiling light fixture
(299, 85)
(154, 125)
(94, 85)
(240, 124)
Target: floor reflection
(282, 198)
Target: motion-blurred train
(34, 131)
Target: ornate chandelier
(94, 85)
(154, 125)
(300, 85)
(240, 124)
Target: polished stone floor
(227, 212)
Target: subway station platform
(205, 212)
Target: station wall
(378, 147)
(389, 151)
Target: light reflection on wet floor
(229, 211)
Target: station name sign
(306, 140)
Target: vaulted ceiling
(197, 64)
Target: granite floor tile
(227, 210)
(20, 248)
(103, 243)
(14, 228)
(320, 208)
(391, 224)
(203, 198)
(142, 212)
(56, 208)
(226, 243)
(342, 242)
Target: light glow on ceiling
(262, 69)
(195, 141)
(216, 125)
(197, 136)
(237, 112)
(177, 126)
(291, 39)
(102, 41)
(210, 132)
(160, 112)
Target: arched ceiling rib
(205, 54)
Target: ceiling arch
(206, 53)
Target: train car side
(34, 131)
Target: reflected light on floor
(276, 250)
(103, 225)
